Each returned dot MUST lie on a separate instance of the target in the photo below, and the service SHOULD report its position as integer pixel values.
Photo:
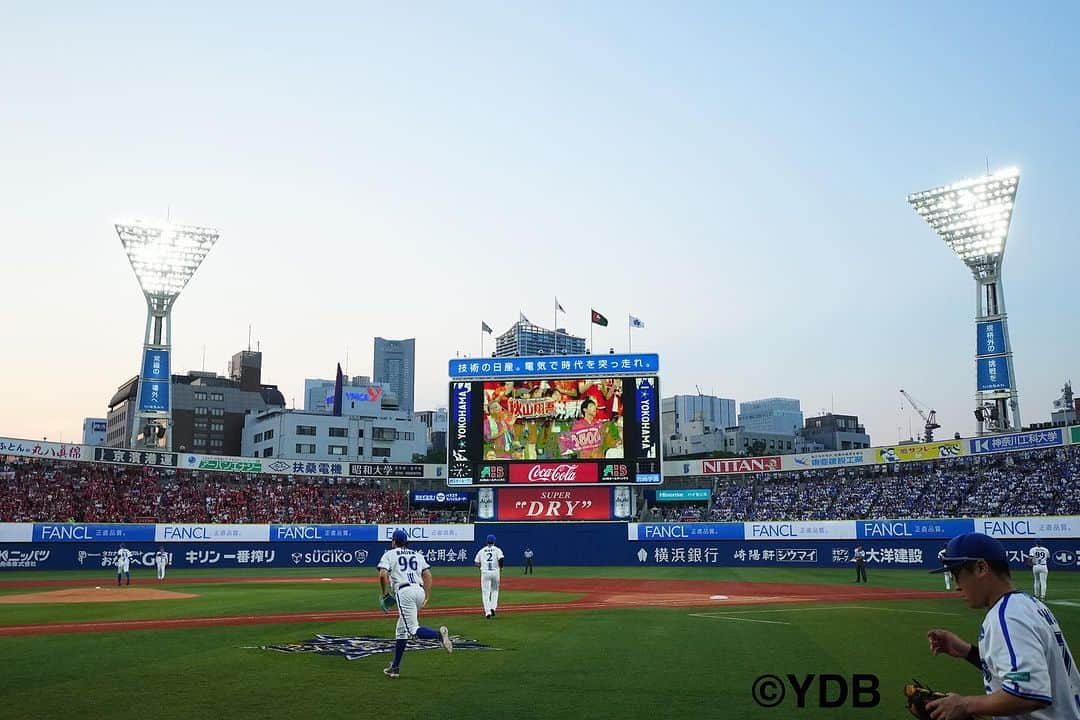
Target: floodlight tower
(164, 258)
(972, 217)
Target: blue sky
(735, 176)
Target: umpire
(860, 564)
(528, 561)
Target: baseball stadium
(563, 524)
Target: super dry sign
(555, 503)
(735, 466)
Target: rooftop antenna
(249, 337)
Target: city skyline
(735, 177)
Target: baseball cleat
(444, 636)
(392, 672)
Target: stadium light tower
(972, 217)
(164, 258)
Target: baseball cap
(400, 536)
(971, 546)
(491, 539)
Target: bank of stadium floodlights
(973, 217)
(164, 257)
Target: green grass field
(611, 663)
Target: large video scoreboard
(558, 420)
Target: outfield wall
(910, 544)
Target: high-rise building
(836, 432)
(395, 367)
(708, 413)
(782, 416)
(524, 338)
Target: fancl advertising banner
(187, 532)
(821, 530)
(91, 532)
(652, 532)
(320, 533)
(884, 529)
(430, 533)
(1030, 527)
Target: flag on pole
(522, 317)
(559, 307)
(636, 322)
(484, 327)
(599, 319)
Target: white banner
(211, 533)
(16, 532)
(803, 530)
(430, 533)
(1060, 526)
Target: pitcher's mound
(104, 594)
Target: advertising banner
(156, 366)
(628, 364)
(1030, 527)
(735, 466)
(990, 338)
(992, 373)
(819, 530)
(647, 416)
(830, 459)
(683, 495)
(387, 470)
(942, 529)
(569, 503)
(1016, 441)
(430, 533)
(322, 533)
(684, 531)
(16, 532)
(222, 464)
(439, 497)
(91, 532)
(554, 473)
(134, 457)
(154, 396)
(189, 532)
(920, 451)
(43, 449)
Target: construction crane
(930, 419)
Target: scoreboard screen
(554, 431)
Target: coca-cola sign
(553, 473)
(734, 466)
(555, 503)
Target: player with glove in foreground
(1028, 670)
(405, 581)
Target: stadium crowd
(1042, 482)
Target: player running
(407, 575)
(1028, 670)
(490, 561)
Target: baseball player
(1027, 667)
(948, 576)
(123, 564)
(1040, 557)
(406, 573)
(161, 559)
(490, 561)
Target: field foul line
(739, 619)
(823, 609)
(1068, 603)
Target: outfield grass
(624, 663)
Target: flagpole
(629, 336)
(555, 327)
(481, 341)
(591, 326)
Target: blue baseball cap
(400, 536)
(972, 546)
(491, 539)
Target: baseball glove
(1030, 562)
(387, 602)
(917, 696)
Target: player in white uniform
(948, 576)
(161, 559)
(490, 561)
(123, 564)
(407, 574)
(1040, 558)
(1028, 670)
